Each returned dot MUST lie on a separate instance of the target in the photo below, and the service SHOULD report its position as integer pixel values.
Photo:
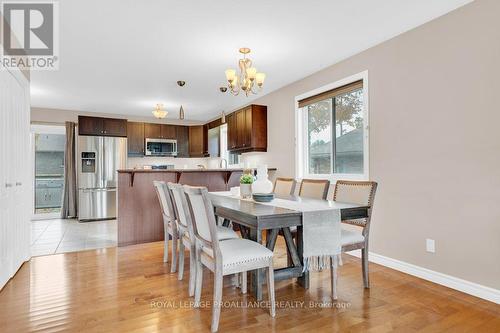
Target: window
(233, 159)
(333, 134)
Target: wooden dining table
(254, 218)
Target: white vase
(246, 191)
(262, 184)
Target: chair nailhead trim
(247, 261)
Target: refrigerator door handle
(103, 162)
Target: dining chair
(226, 257)
(186, 233)
(284, 186)
(309, 188)
(169, 224)
(363, 193)
(314, 188)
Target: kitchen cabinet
(135, 139)
(152, 131)
(182, 134)
(168, 131)
(240, 129)
(198, 141)
(96, 126)
(159, 131)
(247, 129)
(231, 131)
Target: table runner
(321, 229)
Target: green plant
(246, 179)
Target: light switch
(430, 245)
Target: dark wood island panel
(139, 215)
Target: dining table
(277, 218)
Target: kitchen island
(139, 214)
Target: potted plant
(246, 181)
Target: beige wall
(434, 140)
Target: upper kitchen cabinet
(135, 139)
(247, 129)
(168, 131)
(231, 131)
(97, 126)
(160, 131)
(198, 141)
(182, 141)
(152, 131)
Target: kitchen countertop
(187, 170)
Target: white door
(15, 176)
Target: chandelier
(158, 112)
(247, 80)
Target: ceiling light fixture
(158, 112)
(247, 79)
(181, 110)
(223, 114)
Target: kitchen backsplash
(250, 160)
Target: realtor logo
(30, 34)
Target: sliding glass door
(49, 143)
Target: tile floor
(59, 236)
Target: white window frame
(301, 144)
(224, 152)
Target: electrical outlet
(430, 245)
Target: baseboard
(471, 288)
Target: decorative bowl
(263, 197)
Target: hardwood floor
(130, 289)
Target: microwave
(160, 147)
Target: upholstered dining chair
(223, 257)
(363, 193)
(284, 186)
(169, 224)
(314, 188)
(186, 233)
(309, 188)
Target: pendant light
(223, 114)
(181, 110)
(181, 113)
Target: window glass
(320, 137)
(340, 148)
(231, 158)
(49, 172)
(349, 132)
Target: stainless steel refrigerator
(99, 158)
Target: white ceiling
(124, 56)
